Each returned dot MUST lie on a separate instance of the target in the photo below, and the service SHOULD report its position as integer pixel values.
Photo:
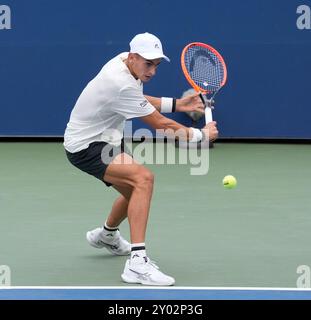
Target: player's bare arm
(186, 104)
(157, 121)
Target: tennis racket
(206, 71)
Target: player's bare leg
(108, 236)
(119, 209)
(124, 172)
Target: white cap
(148, 46)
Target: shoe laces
(116, 242)
(152, 263)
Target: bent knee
(148, 177)
(143, 177)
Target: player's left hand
(190, 103)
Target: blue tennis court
(139, 293)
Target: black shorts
(96, 158)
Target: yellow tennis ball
(229, 182)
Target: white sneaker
(144, 271)
(112, 241)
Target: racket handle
(208, 115)
(208, 110)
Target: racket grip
(208, 110)
(208, 115)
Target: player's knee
(148, 177)
(144, 178)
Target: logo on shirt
(144, 103)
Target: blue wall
(55, 47)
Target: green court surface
(256, 235)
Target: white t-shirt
(111, 98)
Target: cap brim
(152, 56)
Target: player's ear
(131, 57)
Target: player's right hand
(210, 131)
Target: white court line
(153, 288)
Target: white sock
(109, 231)
(138, 250)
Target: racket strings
(205, 68)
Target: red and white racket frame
(204, 92)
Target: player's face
(141, 68)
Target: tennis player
(94, 143)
